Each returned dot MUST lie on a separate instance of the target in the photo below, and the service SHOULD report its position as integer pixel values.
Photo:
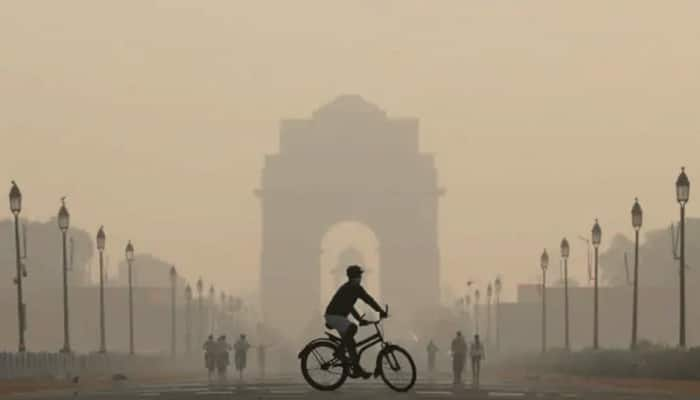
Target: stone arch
(348, 162)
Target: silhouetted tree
(44, 254)
(656, 264)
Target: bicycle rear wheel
(321, 368)
(397, 368)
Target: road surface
(373, 389)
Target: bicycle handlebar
(386, 310)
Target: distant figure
(341, 306)
(476, 351)
(459, 357)
(210, 356)
(261, 360)
(222, 357)
(241, 355)
(432, 353)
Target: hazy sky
(153, 117)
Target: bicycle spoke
(398, 370)
(321, 368)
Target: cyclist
(343, 304)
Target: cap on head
(354, 271)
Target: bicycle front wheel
(321, 368)
(397, 368)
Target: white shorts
(338, 322)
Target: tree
(44, 252)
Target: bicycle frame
(366, 343)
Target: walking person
(222, 357)
(241, 355)
(432, 350)
(459, 357)
(261, 360)
(477, 354)
(209, 348)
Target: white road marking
(506, 394)
(213, 392)
(434, 393)
(288, 392)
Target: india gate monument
(348, 162)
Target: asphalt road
(374, 389)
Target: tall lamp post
(497, 286)
(595, 239)
(173, 283)
(489, 295)
(232, 307)
(101, 239)
(476, 310)
(200, 331)
(682, 195)
(129, 251)
(16, 208)
(564, 247)
(544, 263)
(63, 224)
(467, 306)
(212, 308)
(636, 224)
(223, 324)
(188, 321)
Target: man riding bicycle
(343, 304)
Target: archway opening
(346, 243)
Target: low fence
(61, 365)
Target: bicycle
(394, 364)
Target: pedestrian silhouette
(459, 357)
(261, 360)
(432, 350)
(222, 357)
(209, 348)
(241, 355)
(477, 354)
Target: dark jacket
(343, 301)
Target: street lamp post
(100, 248)
(595, 239)
(682, 195)
(188, 321)
(200, 330)
(497, 287)
(173, 283)
(564, 247)
(212, 308)
(544, 263)
(129, 261)
(489, 295)
(467, 306)
(16, 208)
(476, 310)
(232, 308)
(63, 224)
(223, 324)
(636, 224)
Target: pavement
(293, 388)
